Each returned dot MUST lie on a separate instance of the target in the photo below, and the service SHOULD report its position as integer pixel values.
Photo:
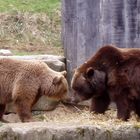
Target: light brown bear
(24, 82)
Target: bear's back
(13, 65)
(12, 70)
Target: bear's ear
(89, 72)
(64, 73)
(57, 80)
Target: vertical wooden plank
(117, 23)
(87, 29)
(138, 23)
(131, 22)
(69, 34)
(81, 29)
(92, 27)
(105, 22)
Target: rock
(10, 108)
(6, 133)
(4, 52)
(37, 57)
(12, 117)
(43, 104)
(55, 62)
(56, 65)
(44, 130)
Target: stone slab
(50, 131)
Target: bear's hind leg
(2, 109)
(23, 107)
(123, 109)
(137, 107)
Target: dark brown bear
(24, 82)
(112, 74)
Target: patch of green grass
(29, 5)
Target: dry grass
(73, 115)
(31, 33)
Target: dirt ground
(71, 114)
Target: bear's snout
(74, 100)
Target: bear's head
(59, 86)
(87, 84)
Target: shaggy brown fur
(111, 74)
(24, 82)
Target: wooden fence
(89, 24)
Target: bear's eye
(76, 88)
(125, 71)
